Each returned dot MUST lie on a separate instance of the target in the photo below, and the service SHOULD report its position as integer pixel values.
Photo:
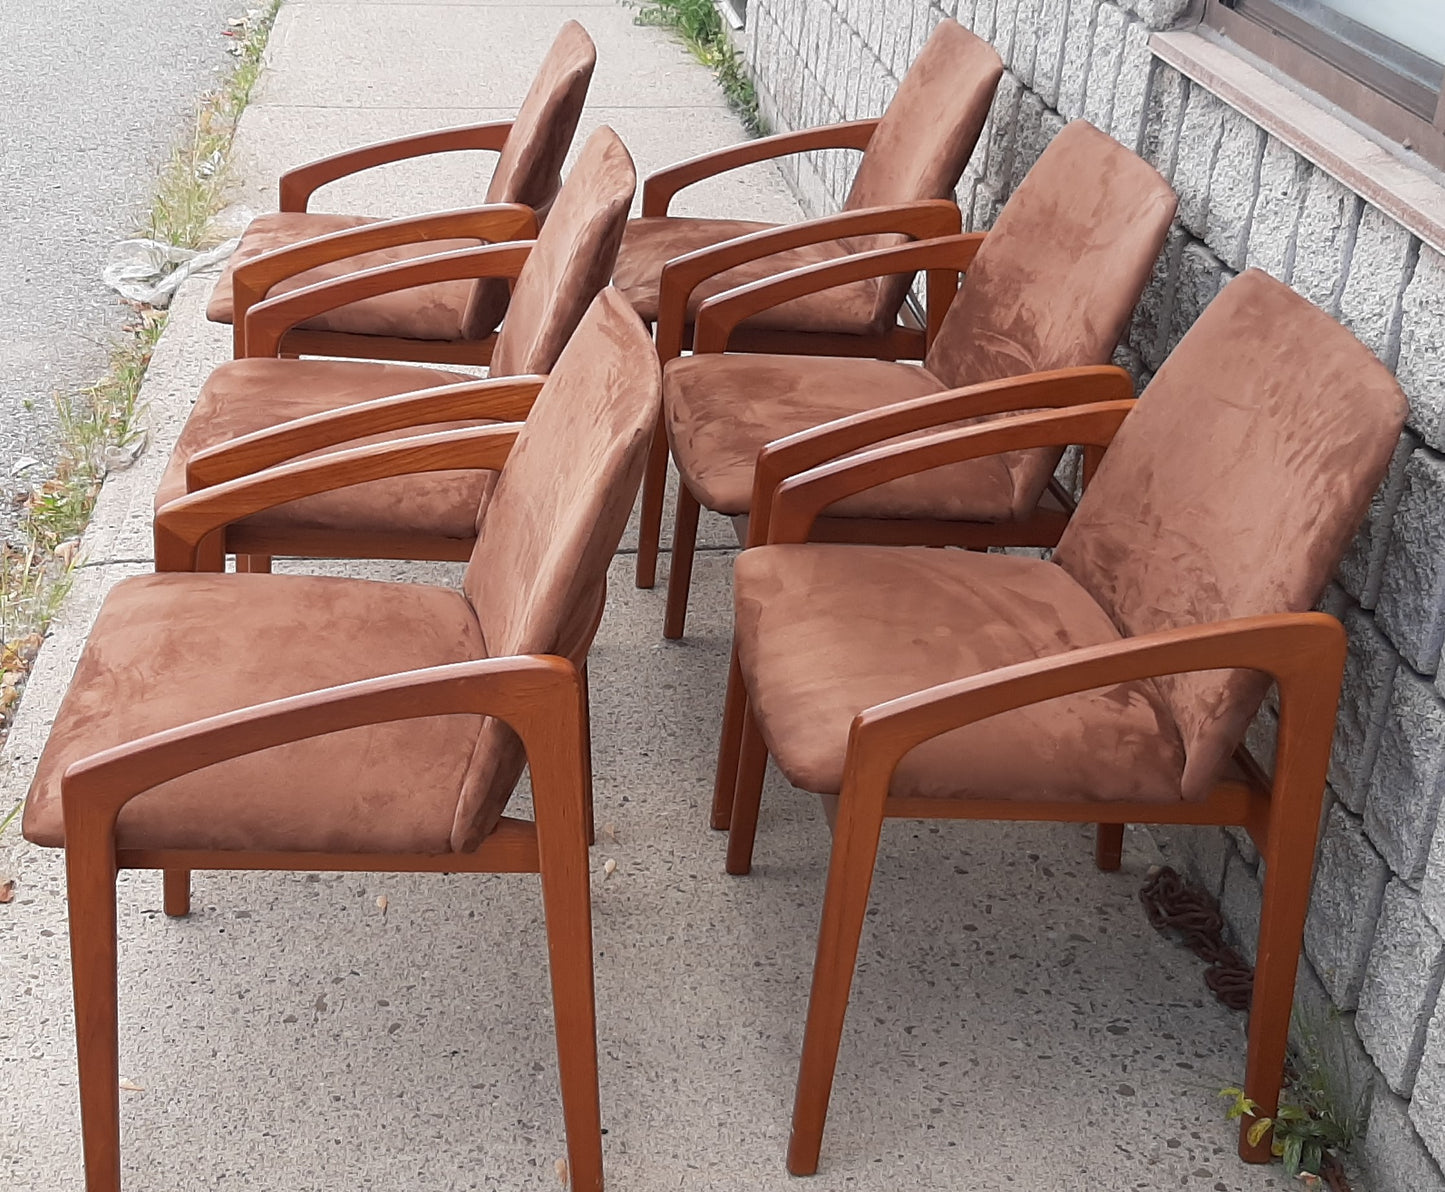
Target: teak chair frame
(298, 184)
(1302, 652)
(922, 220)
(252, 281)
(191, 532)
(944, 261)
(540, 697)
(194, 532)
(267, 327)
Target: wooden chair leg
(588, 806)
(566, 899)
(1109, 847)
(1281, 933)
(850, 876)
(91, 888)
(747, 796)
(726, 780)
(177, 892)
(256, 564)
(654, 488)
(679, 575)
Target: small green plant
(1304, 1136)
(699, 25)
(1322, 1111)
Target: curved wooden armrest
(254, 279)
(1303, 652)
(921, 220)
(950, 254)
(818, 444)
(537, 695)
(180, 525)
(267, 322)
(798, 501)
(659, 188)
(505, 399)
(297, 185)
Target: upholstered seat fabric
(722, 410)
(1052, 286)
(825, 631)
(528, 171)
(918, 151)
(566, 269)
(431, 312)
(651, 242)
(167, 650)
(1233, 490)
(243, 396)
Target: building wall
(1369, 1000)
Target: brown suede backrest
(1233, 490)
(926, 135)
(1058, 276)
(529, 168)
(572, 259)
(540, 565)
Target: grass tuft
(98, 423)
(700, 26)
(192, 185)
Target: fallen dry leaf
(610, 831)
(561, 1168)
(609, 867)
(381, 904)
(7, 891)
(129, 1086)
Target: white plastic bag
(150, 272)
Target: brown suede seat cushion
(242, 396)
(424, 312)
(720, 411)
(170, 649)
(824, 631)
(649, 244)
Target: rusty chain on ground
(1172, 904)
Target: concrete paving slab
(445, 55)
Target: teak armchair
(451, 319)
(913, 156)
(205, 706)
(916, 150)
(1110, 685)
(1050, 287)
(256, 413)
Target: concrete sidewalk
(1015, 1024)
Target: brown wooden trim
(301, 341)
(496, 399)
(1408, 190)
(511, 848)
(1352, 57)
(1367, 91)
(297, 185)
